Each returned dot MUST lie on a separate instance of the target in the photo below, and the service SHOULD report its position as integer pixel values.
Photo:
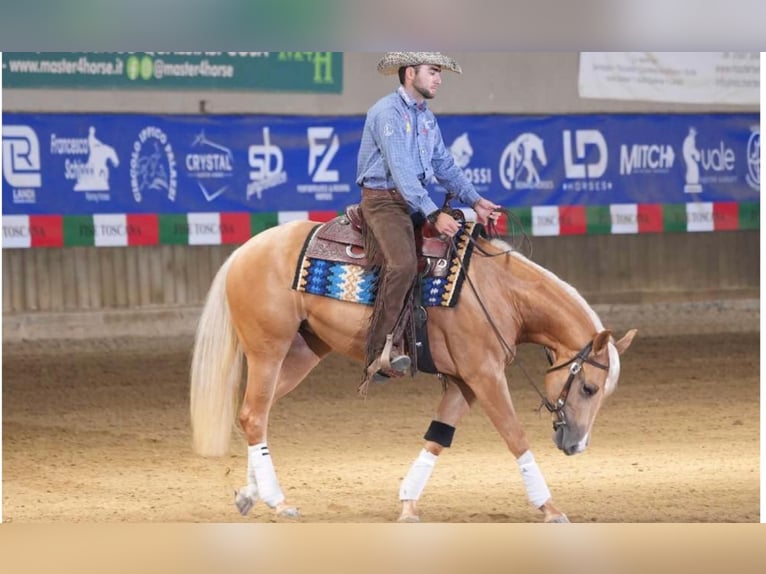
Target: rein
(574, 364)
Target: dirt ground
(99, 432)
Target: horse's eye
(589, 390)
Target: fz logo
(323, 145)
(21, 157)
(575, 165)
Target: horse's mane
(614, 359)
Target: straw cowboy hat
(392, 61)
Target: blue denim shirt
(402, 149)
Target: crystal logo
(575, 166)
(266, 163)
(153, 165)
(753, 176)
(91, 174)
(21, 162)
(211, 164)
(519, 163)
(323, 146)
(462, 152)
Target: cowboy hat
(392, 61)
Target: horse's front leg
(455, 403)
(493, 395)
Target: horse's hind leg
(304, 354)
(455, 403)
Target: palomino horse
(252, 312)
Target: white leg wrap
(537, 490)
(417, 477)
(260, 469)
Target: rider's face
(427, 80)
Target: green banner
(246, 71)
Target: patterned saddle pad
(337, 268)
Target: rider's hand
(485, 210)
(446, 224)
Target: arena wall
(605, 268)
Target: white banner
(679, 77)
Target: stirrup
(383, 368)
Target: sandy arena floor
(99, 432)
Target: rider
(400, 153)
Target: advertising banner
(681, 77)
(266, 71)
(173, 177)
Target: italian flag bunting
(120, 229)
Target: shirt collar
(409, 102)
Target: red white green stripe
(109, 230)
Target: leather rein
(574, 364)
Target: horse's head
(579, 382)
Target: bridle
(575, 368)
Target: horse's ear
(600, 341)
(625, 342)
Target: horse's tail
(216, 371)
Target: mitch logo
(21, 162)
(575, 165)
(323, 145)
(646, 158)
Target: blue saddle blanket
(355, 284)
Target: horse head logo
(518, 160)
(461, 150)
(754, 158)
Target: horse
(252, 314)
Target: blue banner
(83, 164)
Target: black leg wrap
(440, 433)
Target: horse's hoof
(410, 518)
(560, 519)
(245, 499)
(288, 512)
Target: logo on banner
(585, 158)
(646, 158)
(519, 162)
(267, 166)
(462, 152)
(691, 159)
(21, 162)
(753, 176)
(323, 146)
(211, 165)
(90, 170)
(153, 165)
(706, 165)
